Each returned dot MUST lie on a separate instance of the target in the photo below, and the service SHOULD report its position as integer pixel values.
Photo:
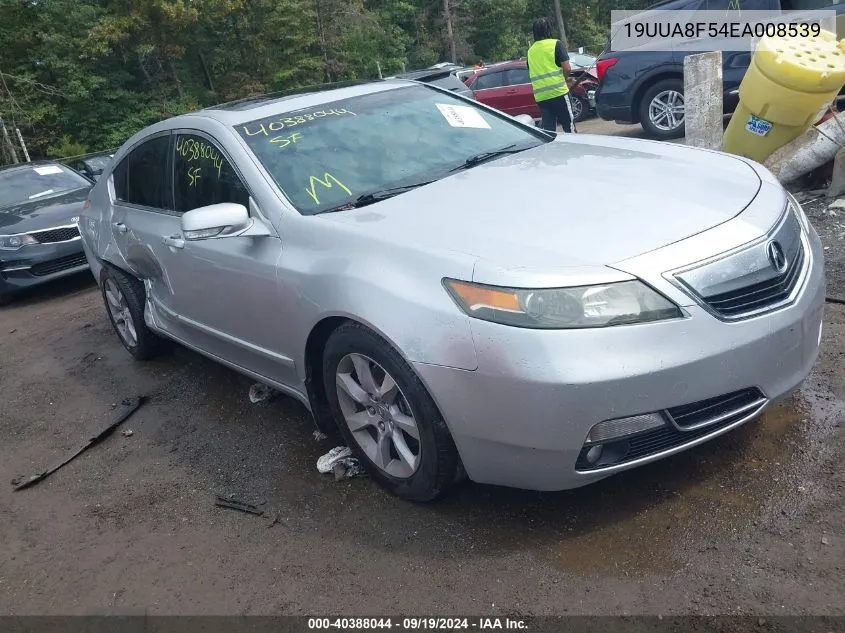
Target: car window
(142, 177)
(202, 176)
(450, 82)
(489, 80)
(516, 76)
(36, 182)
(332, 154)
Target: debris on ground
(236, 504)
(131, 404)
(825, 540)
(128, 433)
(259, 392)
(320, 436)
(339, 461)
(276, 520)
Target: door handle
(512, 91)
(174, 241)
(120, 227)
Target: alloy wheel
(666, 110)
(378, 415)
(119, 310)
(577, 108)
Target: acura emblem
(776, 256)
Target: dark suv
(647, 87)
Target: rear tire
(398, 426)
(661, 108)
(124, 298)
(580, 108)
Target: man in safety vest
(548, 69)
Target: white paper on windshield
(462, 116)
(47, 170)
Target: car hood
(42, 214)
(580, 200)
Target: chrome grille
(754, 280)
(61, 234)
(761, 294)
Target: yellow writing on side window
(326, 181)
(194, 175)
(192, 150)
(292, 121)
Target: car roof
(513, 63)
(253, 108)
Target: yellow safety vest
(546, 77)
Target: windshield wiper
(374, 196)
(477, 159)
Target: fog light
(622, 427)
(593, 454)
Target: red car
(506, 87)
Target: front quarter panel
(331, 270)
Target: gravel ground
(751, 523)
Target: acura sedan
(420, 271)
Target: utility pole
(447, 13)
(378, 65)
(8, 142)
(559, 16)
(23, 145)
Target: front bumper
(521, 419)
(39, 263)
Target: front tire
(386, 416)
(580, 108)
(662, 110)
(124, 297)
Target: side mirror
(525, 119)
(225, 219)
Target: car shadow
(53, 290)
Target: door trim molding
(281, 358)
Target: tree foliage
(84, 75)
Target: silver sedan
(455, 291)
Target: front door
(225, 289)
(519, 96)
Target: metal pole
(23, 145)
(379, 69)
(8, 141)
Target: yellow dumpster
(787, 88)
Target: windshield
(331, 155)
(28, 184)
(585, 61)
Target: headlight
(799, 212)
(563, 308)
(14, 242)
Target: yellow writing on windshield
(326, 181)
(194, 175)
(279, 124)
(284, 141)
(192, 150)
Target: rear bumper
(521, 419)
(36, 264)
(614, 113)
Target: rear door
(489, 88)
(143, 213)
(519, 96)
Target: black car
(444, 77)
(647, 87)
(40, 203)
(91, 165)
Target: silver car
(457, 292)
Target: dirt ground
(751, 523)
